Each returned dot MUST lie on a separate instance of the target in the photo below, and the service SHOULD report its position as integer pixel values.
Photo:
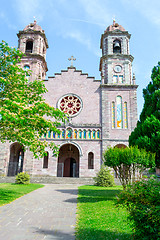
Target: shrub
(22, 178)
(104, 178)
(142, 200)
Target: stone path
(47, 213)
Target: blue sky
(74, 27)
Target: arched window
(45, 160)
(93, 134)
(49, 134)
(125, 116)
(27, 68)
(80, 134)
(29, 46)
(63, 133)
(90, 160)
(58, 135)
(84, 133)
(113, 114)
(89, 134)
(98, 134)
(54, 135)
(120, 78)
(119, 112)
(75, 134)
(115, 78)
(69, 133)
(116, 46)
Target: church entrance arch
(68, 161)
(16, 159)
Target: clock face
(118, 68)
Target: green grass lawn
(11, 191)
(97, 216)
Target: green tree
(147, 133)
(24, 114)
(128, 163)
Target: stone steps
(55, 180)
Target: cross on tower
(72, 59)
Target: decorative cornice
(87, 125)
(36, 56)
(124, 86)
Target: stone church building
(101, 112)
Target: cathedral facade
(101, 112)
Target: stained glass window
(84, 134)
(80, 133)
(63, 133)
(98, 134)
(54, 135)
(125, 115)
(119, 112)
(89, 134)
(75, 134)
(69, 133)
(113, 114)
(58, 135)
(93, 134)
(70, 104)
(49, 134)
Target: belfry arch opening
(29, 46)
(68, 161)
(117, 46)
(16, 159)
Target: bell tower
(118, 88)
(116, 61)
(33, 43)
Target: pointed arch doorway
(16, 159)
(68, 161)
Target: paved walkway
(47, 213)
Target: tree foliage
(128, 163)
(24, 114)
(147, 133)
(142, 201)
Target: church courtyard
(52, 212)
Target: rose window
(70, 104)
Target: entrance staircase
(55, 180)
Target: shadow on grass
(92, 195)
(95, 234)
(84, 234)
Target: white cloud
(66, 19)
(149, 9)
(29, 9)
(81, 38)
(97, 10)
